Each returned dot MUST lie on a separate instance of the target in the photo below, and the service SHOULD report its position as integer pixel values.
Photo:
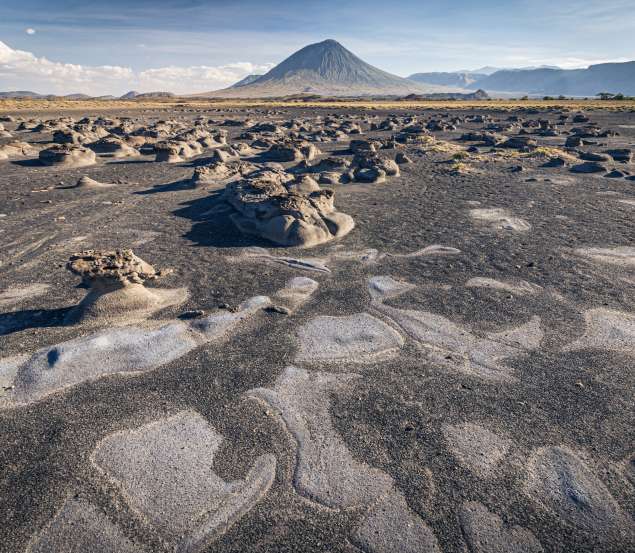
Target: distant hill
(478, 95)
(247, 80)
(28, 94)
(133, 95)
(460, 80)
(605, 77)
(543, 80)
(77, 97)
(327, 69)
(155, 95)
(20, 94)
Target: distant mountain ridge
(604, 77)
(28, 94)
(325, 68)
(545, 80)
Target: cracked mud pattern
(452, 374)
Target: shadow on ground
(184, 184)
(212, 224)
(16, 321)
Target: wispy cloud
(22, 69)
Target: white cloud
(21, 70)
(198, 77)
(29, 31)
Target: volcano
(327, 69)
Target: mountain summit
(329, 69)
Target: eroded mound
(116, 282)
(67, 155)
(267, 207)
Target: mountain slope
(605, 77)
(245, 81)
(325, 68)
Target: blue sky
(195, 45)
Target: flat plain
(440, 359)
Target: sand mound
(16, 149)
(163, 471)
(114, 147)
(265, 207)
(176, 151)
(67, 156)
(220, 170)
(117, 293)
(87, 182)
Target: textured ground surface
(474, 399)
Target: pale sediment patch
(520, 287)
(455, 346)
(369, 255)
(622, 256)
(80, 526)
(359, 338)
(9, 367)
(390, 526)
(262, 255)
(560, 481)
(382, 288)
(325, 471)
(294, 295)
(499, 219)
(122, 350)
(607, 330)
(163, 470)
(336, 254)
(328, 474)
(16, 294)
(476, 448)
(485, 532)
(428, 251)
